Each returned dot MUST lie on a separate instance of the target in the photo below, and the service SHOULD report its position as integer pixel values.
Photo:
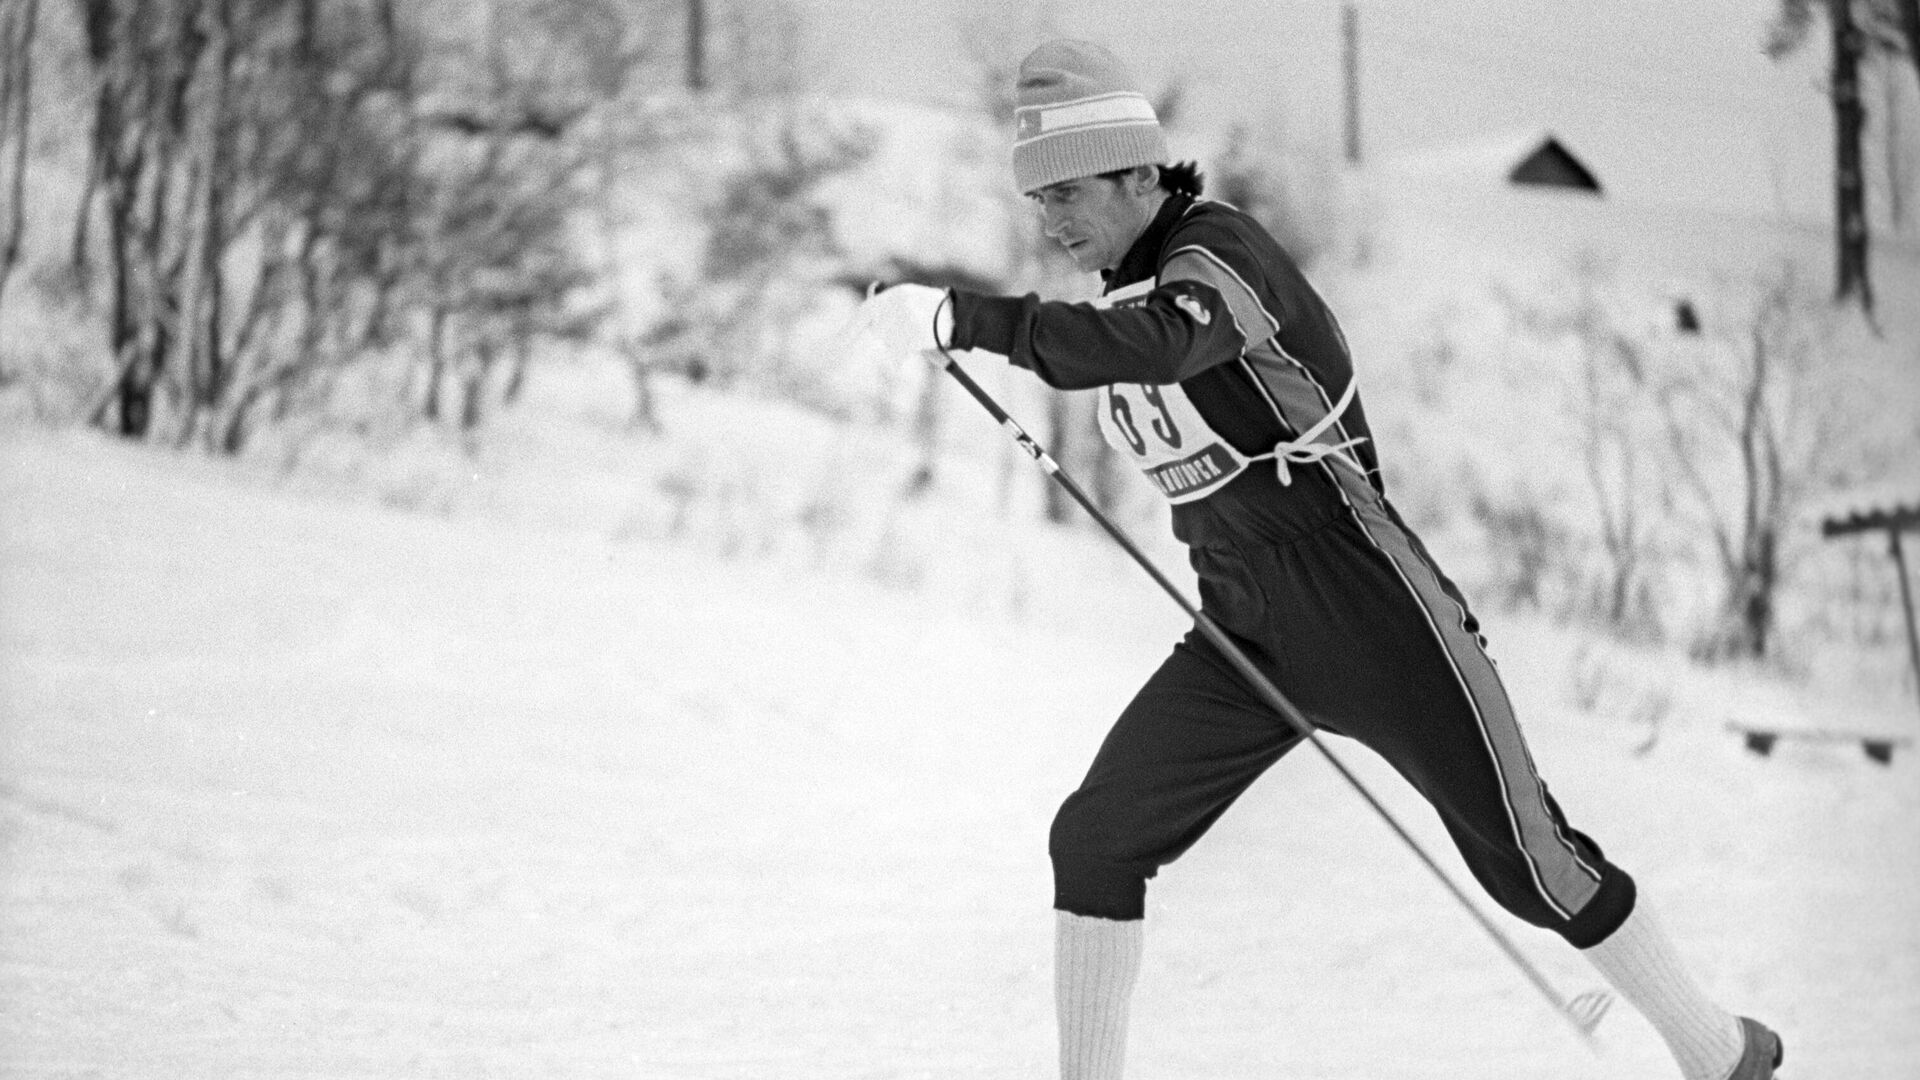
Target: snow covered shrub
(767, 264)
(51, 371)
(1603, 681)
(1614, 458)
(754, 477)
(1465, 396)
(1672, 457)
(1524, 543)
(1751, 421)
(1291, 192)
(264, 194)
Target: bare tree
(278, 190)
(1856, 29)
(146, 55)
(1748, 429)
(1620, 469)
(1908, 12)
(286, 186)
(1889, 27)
(1256, 183)
(1618, 439)
(765, 231)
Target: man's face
(1095, 219)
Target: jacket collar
(1142, 260)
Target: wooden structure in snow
(1892, 516)
(1519, 159)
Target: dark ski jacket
(1231, 320)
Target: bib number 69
(1161, 423)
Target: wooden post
(1350, 67)
(696, 45)
(1906, 603)
(1894, 520)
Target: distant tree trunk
(216, 372)
(1614, 474)
(1750, 513)
(233, 431)
(522, 357)
(696, 45)
(99, 28)
(437, 362)
(1852, 277)
(637, 352)
(146, 58)
(1910, 30)
(135, 389)
(198, 316)
(1757, 569)
(16, 110)
(486, 351)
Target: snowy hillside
(294, 785)
(712, 730)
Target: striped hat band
(1107, 110)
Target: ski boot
(1762, 1055)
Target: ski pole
(1584, 1012)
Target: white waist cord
(1307, 449)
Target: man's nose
(1052, 224)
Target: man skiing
(1226, 379)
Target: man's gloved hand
(906, 320)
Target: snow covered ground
(296, 786)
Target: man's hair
(1179, 178)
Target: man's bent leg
(1183, 750)
(1400, 665)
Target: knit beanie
(1077, 114)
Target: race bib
(1160, 431)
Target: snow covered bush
(1751, 423)
(1648, 472)
(768, 253)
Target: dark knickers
(1356, 626)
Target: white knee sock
(1642, 964)
(1095, 962)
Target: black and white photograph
(861, 540)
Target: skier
(1225, 378)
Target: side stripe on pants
(1564, 881)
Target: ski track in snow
(296, 789)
